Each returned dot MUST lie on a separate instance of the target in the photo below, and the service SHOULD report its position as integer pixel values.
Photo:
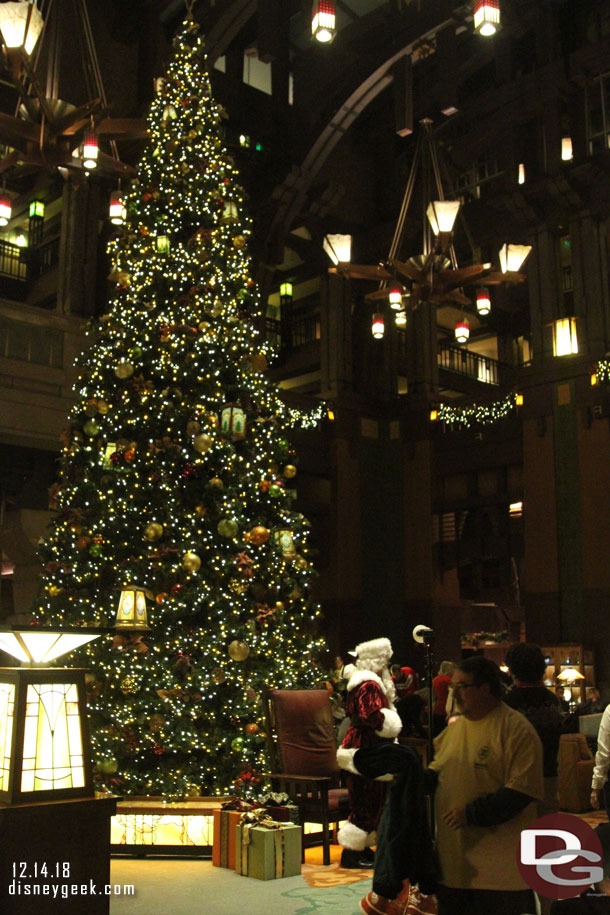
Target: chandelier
(433, 276)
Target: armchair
(302, 749)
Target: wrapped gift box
(268, 853)
(287, 813)
(223, 848)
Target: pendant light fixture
(483, 301)
(462, 330)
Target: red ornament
(176, 589)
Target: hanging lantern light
(285, 293)
(229, 213)
(21, 25)
(462, 330)
(395, 298)
(486, 17)
(162, 244)
(378, 327)
(36, 210)
(512, 257)
(6, 209)
(441, 215)
(116, 210)
(483, 301)
(323, 27)
(400, 318)
(90, 150)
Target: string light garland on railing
(475, 414)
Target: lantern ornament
(6, 209)
(285, 542)
(395, 298)
(323, 25)
(90, 150)
(483, 301)
(233, 422)
(462, 330)
(378, 326)
(116, 209)
(169, 113)
(163, 244)
(486, 17)
(229, 213)
(44, 738)
(131, 612)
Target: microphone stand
(428, 670)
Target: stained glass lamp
(44, 736)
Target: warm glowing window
(565, 340)
(515, 509)
(52, 740)
(7, 713)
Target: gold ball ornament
(300, 562)
(153, 531)
(202, 443)
(238, 650)
(217, 483)
(251, 729)
(259, 362)
(193, 427)
(91, 408)
(102, 407)
(124, 370)
(218, 675)
(259, 535)
(91, 428)
(191, 562)
(239, 241)
(289, 471)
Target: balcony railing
(13, 261)
(294, 332)
(465, 362)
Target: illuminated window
(7, 717)
(256, 72)
(52, 741)
(515, 509)
(565, 340)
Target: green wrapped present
(267, 853)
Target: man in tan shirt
(488, 773)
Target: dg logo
(560, 856)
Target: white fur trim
(345, 759)
(374, 648)
(361, 676)
(354, 838)
(392, 724)
(348, 670)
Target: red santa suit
(373, 721)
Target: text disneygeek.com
(67, 890)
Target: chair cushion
(305, 732)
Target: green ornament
(91, 428)
(107, 766)
(237, 744)
(227, 527)
(275, 491)
(95, 550)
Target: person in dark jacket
(529, 696)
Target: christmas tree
(176, 478)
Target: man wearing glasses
(488, 773)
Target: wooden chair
(302, 749)
(575, 765)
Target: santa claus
(373, 721)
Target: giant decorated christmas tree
(177, 477)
